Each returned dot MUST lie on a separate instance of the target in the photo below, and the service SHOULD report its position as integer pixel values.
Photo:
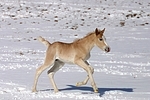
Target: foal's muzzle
(107, 49)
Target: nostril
(107, 49)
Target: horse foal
(77, 52)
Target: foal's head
(101, 40)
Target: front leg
(84, 82)
(57, 65)
(86, 67)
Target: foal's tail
(45, 42)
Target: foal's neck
(87, 42)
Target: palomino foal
(77, 52)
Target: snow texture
(122, 74)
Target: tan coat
(77, 52)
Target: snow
(122, 74)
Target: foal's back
(67, 52)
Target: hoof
(34, 90)
(78, 84)
(56, 91)
(96, 91)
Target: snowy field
(122, 74)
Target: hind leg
(38, 73)
(48, 62)
(57, 65)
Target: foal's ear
(102, 31)
(96, 31)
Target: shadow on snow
(90, 89)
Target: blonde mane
(88, 34)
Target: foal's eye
(101, 39)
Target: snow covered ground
(122, 74)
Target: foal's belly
(69, 61)
(70, 57)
